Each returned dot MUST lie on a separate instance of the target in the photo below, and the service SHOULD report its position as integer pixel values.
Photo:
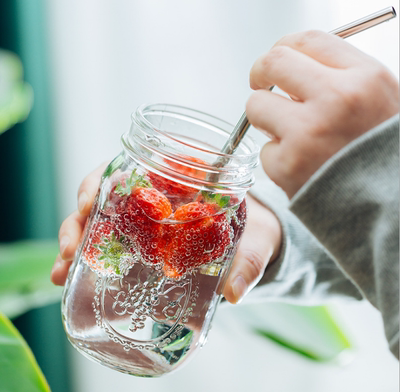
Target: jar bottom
(140, 324)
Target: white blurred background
(107, 58)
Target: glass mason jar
(159, 242)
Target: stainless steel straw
(345, 31)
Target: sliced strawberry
(189, 171)
(178, 193)
(152, 202)
(236, 211)
(195, 210)
(203, 237)
(138, 216)
(170, 271)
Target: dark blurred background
(28, 198)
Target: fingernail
(239, 288)
(82, 200)
(63, 244)
(57, 264)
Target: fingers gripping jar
(159, 242)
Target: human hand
(70, 232)
(260, 243)
(338, 93)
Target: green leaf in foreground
(310, 331)
(290, 345)
(16, 96)
(25, 268)
(15, 354)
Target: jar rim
(139, 116)
(152, 142)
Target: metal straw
(345, 31)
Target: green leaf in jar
(112, 252)
(218, 198)
(134, 180)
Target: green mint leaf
(113, 251)
(217, 198)
(143, 183)
(224, 201)
(133, 181)
(120, 190)
(129, 183)
(208, 196)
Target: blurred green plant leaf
(19, 371)
(310, 331)
(16, 96)
(289, 345)
(180, 344)
(25, 275)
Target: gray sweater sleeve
(341, 230)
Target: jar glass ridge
(161, 134)
(159, 242)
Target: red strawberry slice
(203, 237)
(138, 216)
(237, 211)
(152, 202)
(178, 193)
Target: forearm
(351, 206)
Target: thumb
(247, 269)
(259, 245)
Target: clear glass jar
(159, 242)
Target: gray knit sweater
(341, 230)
